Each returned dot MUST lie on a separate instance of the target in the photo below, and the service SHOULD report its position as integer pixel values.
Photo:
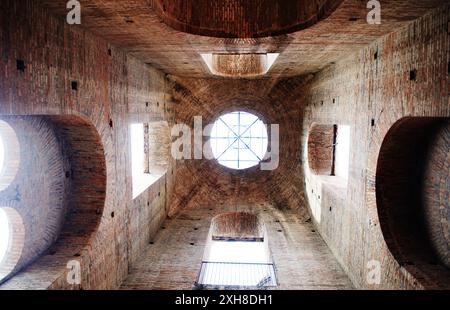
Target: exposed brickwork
(138, 29)
(237, 226)
(205, 181)
(243, 18)
(403, 207)
(371, 94)
(112, 91)
(237, 65)
(40, 191)
(91, 91)
(173, 260)
(436, 192)
(320, 149)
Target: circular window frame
(11, 157)
(209, 137)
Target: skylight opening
(239, 140)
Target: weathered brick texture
(370, 91)
(112, 91)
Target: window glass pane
(239, 140)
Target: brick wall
(112, 90)
(402, 74)
(243, 19)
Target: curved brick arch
(240, 18)
(59, 190)
(412, 192)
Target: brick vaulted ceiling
(138, 27)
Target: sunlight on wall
(4, 235)
(343, 151)
(141, 181)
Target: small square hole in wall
(109, 52)
(74, 85)
(375, 56)
(353, 19)
(111, 123)
(20, 65)
(413, 75)
(372, 123)
(448, 69)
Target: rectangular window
(142, 178)
(342, 151)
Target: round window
(239, 140)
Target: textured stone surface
(139, 30)
(173, 260)
(409, 218)
(436, 192)
(371, 91)
(243, 18)
(337, 72)
(320, 149)
(40, 191)
(112, 91)
(205, 181)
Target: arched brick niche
(320, 149)
(233, 226)
(59, 189)
(413, 191)
(242, 18)
(328, 150)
